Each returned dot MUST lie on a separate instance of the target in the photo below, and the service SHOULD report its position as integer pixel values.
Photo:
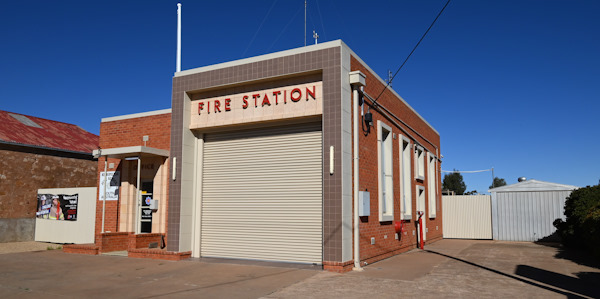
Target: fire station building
(255, 160)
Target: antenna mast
(305, 23)
(178, 66)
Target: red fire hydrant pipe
(421, 232)
(420, 229)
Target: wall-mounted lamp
(368, 118)
(331, 156)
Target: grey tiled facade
(229, 78)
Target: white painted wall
(76, 232)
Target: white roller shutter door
(262, 194)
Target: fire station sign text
(256, 106)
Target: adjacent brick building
(258, 164)
(136, 147)
(38, 153)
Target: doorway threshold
(116, 253)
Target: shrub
(582, 226)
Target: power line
(284, 29)
(259, 27)
(413, 50)
(321, 18)
(468, 171)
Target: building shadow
(585, 284)
(578, 256)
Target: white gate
(467, 217)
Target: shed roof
(533, 185)
(25, 130)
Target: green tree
(454, 182)
(498, 182)
(582, 225)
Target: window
(419, 163)
(405, 178)
(386, 172)
(431, 184)
(420, 199)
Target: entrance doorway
(145, 211)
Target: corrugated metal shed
(525, 211)
(24, 130)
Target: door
(262, 194)
(145, 211)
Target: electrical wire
(284, 29)
(386, 112)
(413, 50)
(321, 18)
(259, 27)
(468, 171)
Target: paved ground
(26, 247)
(463, 269)
(448, 268)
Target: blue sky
(512, 85)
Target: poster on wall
(112, 188)
(57, 206)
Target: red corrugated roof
(35, 131)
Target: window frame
(431, 184)
(405, 167)
(385, 147)
(419, 163)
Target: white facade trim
(135, 115)
(385, 160)
(122, 152)
(405, 178)
(419, 163)
(331, 44)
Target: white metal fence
(467, 217)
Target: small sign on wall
(57, 206)
(112, 188)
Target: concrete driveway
(448, 268)
(463, 269)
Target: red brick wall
(384, 232)
(111, 210)
(114, 242)
(22, 174)
(123, 133)
(144, 240)
(129, 132)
